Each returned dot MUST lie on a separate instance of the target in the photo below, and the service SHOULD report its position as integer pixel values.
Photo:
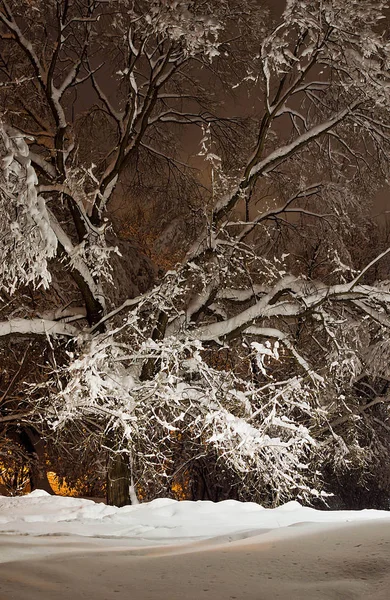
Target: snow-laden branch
(117, 116)
(376, 315)
(76, 260)
(187, 396)
(37, 327)
(27, 240)
(297, 297)
(270, 332)
(66, 314)
(42, 74)
(42, 164)
(245, 318)
(65, 188)
(279, 155)
(242, 295)
(129, 303)
(357, 410)
(7, 18)
(366, 268)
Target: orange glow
(60, 488)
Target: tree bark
(118, 480)
(35, 448)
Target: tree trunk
(35, 448)
(118, 480)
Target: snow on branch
(79, 261)
(270, 332)
(196, 33)
(367, 267)
(246, 426)
(245, 318)
(37, 327)
(27, 240)
(280, 154)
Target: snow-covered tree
(144, 375)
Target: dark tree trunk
(35, 448)
(118, 480)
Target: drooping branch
(37, 327)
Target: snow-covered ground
(160, 522)
(56, 548)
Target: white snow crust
(160, 522)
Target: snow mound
(162, 521)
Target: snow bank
(56, 547)
(162, 521)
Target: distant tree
(144, 376)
